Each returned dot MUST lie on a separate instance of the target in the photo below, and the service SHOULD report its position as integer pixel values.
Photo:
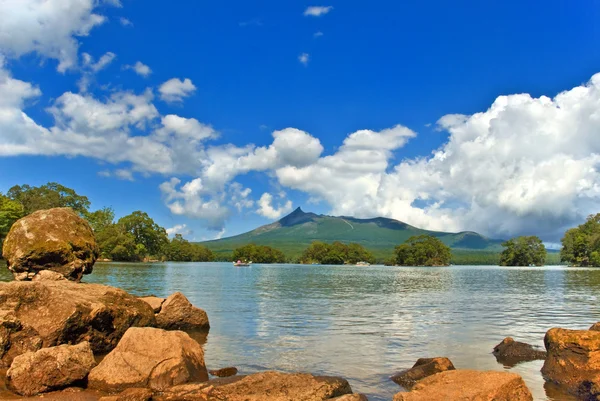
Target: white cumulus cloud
(304, 58)
(182, 229)
(140, 68)
(175, 90)
(317, 11)
(268, 210)
(48, 27)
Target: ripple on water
(367, 323)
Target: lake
(366, 323)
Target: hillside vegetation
(296, 232)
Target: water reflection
(367, 323)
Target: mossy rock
(54, 239)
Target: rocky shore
(69, 340)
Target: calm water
(366, 323)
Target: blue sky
(441, 114)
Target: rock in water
(154, 302)
(224, 372)
(468, 385)
(177, 313)
(148, 357)
(595, 327)
(54, 239)
(272, 386)
(48, 313)
(573, 361)
(50, 369)
(423, 368)
(510, 352)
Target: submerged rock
(573, 361)
(48, 313)
(177, 313)
(149, 357)
(224, 372)
(272, 386)
(510, 352)
(423, 368)
(54, 239)
(469, 385)
(50, 369)
(131, 394)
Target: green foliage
(10, 211)
(581, 245)
(180, 250)
(336, 253)
(423, 250)
(145, 231)
(101, 219)
(258, 254)
(48, 196)
(523, 251)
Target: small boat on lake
(239, 263)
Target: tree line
(137, 237)
(132, 238)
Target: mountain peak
(298, 216)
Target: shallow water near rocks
(366, 323)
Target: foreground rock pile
(53, 329)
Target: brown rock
(131, 394)
(177, 313)
(54, 239)
(573, 361)
(154, 302)
(149, 357)
(422, 368)
(49, 313)
(469, 385)
(50, 369)
(48, 275)
(510, 352)
(595, 327)
(272, 386)
(224, 372)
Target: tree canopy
(181, 250)
(581, 245)
(523, 251)
(422, 250)
(145, 231)
(336, 253)
(258, 254)
(10, 211)
(48, 196)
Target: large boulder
(50, 369)
(177, 313)
(149, 357)
(54, 239)
(154, 302)
(469, 385)
(510, 352)
(573, 361)
(272, 386)
(423, 368)
(49, 313)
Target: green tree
(181, 250)
(146, 232)
(117, 244)
(101, 219)
(581, 245)
(523, 251)
(48, 196)
(10, 211)
(258, 254)
(336, 253)
(423, 250)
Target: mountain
(294, 232)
